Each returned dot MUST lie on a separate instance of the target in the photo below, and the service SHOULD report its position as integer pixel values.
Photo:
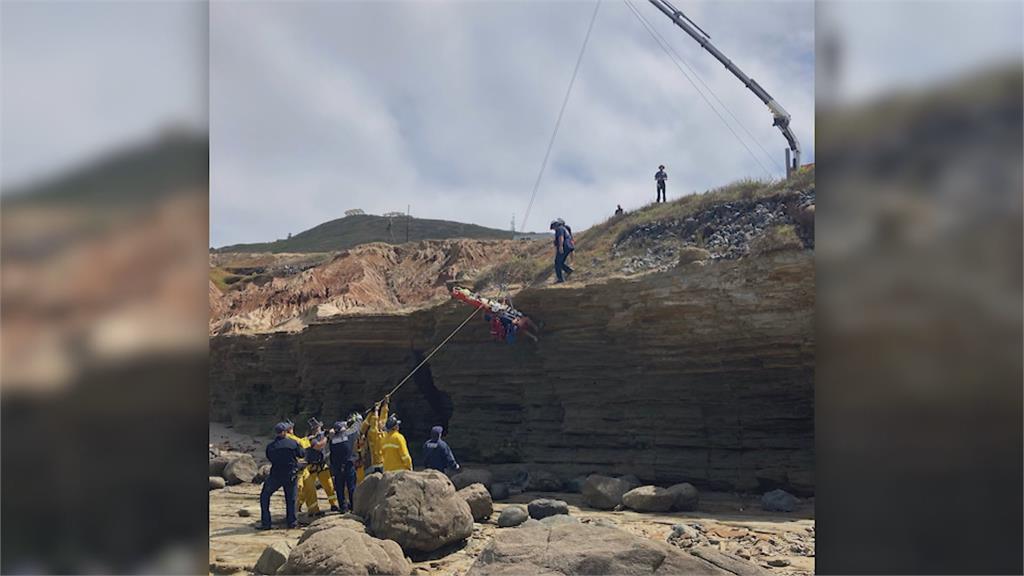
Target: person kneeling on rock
(437, 455)
(284, 454)
(396, 452)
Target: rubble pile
(726, 231)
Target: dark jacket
(438, 456)
(284, 454)
(343, 446)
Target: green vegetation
(124, 178)
(350, 231)
(221, 277)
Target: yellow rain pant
(309, 489)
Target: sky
(80, 79)
(316, 108)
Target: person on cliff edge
(564, 246)
(394, 450)
(437, 455)
(283, 453)
(660, 177)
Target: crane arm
(781, 117)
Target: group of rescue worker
(339, 459)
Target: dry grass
(221, 277)
(775, 239)
(594, 246)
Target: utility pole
(513, 226)
(408, 216)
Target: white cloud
(449, 107)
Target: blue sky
(448, 106)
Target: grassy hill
(139, 173)
(351, 231)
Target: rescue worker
(284, 454)
(373, 431)
(344, 437)
(437, 455)
(564, 246)
(300, 478)
(660, 177)
(316, 468)
(395, 451)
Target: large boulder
(543, 507)
(467, 477)
(479, 500)
(273, 557)
(575, 485)
(216, 483)
(241, 469)
(543, 481)
(559, 519)
(631, 479)
(512, 516)
(419, 510)
(573, 548)
(604, 492)
(342, 551)
(649, 499)
(686, 497)
(218, 463)
(779, 501)
(350, 521)
(261, 474)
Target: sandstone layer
(701, 373)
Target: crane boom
(781, 117)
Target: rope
(561, 112)
(771, 159)
(434, 351)
(533, 193)
(663, 44)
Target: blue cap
(281, 427)
(339, 425)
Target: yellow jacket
(303, 442)
(396, 452)
(373, 433)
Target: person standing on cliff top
(564, 246)
(660, 177)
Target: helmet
(554, 223)
(393, 422)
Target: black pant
(661, 192)
(345, 481)
(271, 485)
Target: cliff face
(701, 373)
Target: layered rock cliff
(703, 372)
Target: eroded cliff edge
(703, 372)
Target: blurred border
(919, 270)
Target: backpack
(569, 244)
